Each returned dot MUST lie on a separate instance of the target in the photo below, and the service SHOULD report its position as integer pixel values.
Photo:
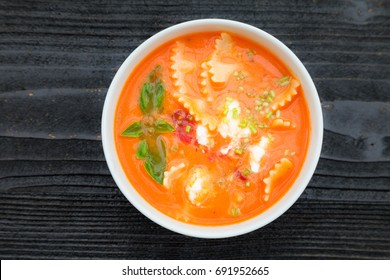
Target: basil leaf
(159, 96)
(142, 150)
(156, 161)
(161, 147)
(151, 169)
(134, 130)
(155, 75)
(162, 126)
(145, 100)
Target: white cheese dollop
(171, 175)
(229, 124)
(198, 185)
(257, 152)
(202, 135)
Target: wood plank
(57, 198)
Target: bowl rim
(279, 50)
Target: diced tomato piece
(240, 175)
(185, 126)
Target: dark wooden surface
(57, 198)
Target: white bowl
(270, 43)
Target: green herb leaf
(250, 52)
(145, 100)
(134, 130)
(252, 129)
(235, 212)
(162, 126)
(152, 92)
(156, 161)
(142, 150)
(247, 172)
(235, 113)
(159, 96)
(284, 81)
(155, 75)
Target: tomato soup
(211, 128)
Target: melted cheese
(229, 126)
(256, 153)
(198, 185)
(203, 136)
(172, 174)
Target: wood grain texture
(57, 197)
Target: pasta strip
(283, 98)
(197, 106)
(220, 70)
(279, 170)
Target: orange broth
(232, 196)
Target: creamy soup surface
(211, 128)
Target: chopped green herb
(262, 125)
(235, 113)
(229, 99)
(252, 129)
(248, 184)
(243, 124)
(238, 151)
(284, 81)
(235, 212)
(269, 114)
(188, 128)
(250, 52)
(226, 110)
(246, 172)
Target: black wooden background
(57, 198)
